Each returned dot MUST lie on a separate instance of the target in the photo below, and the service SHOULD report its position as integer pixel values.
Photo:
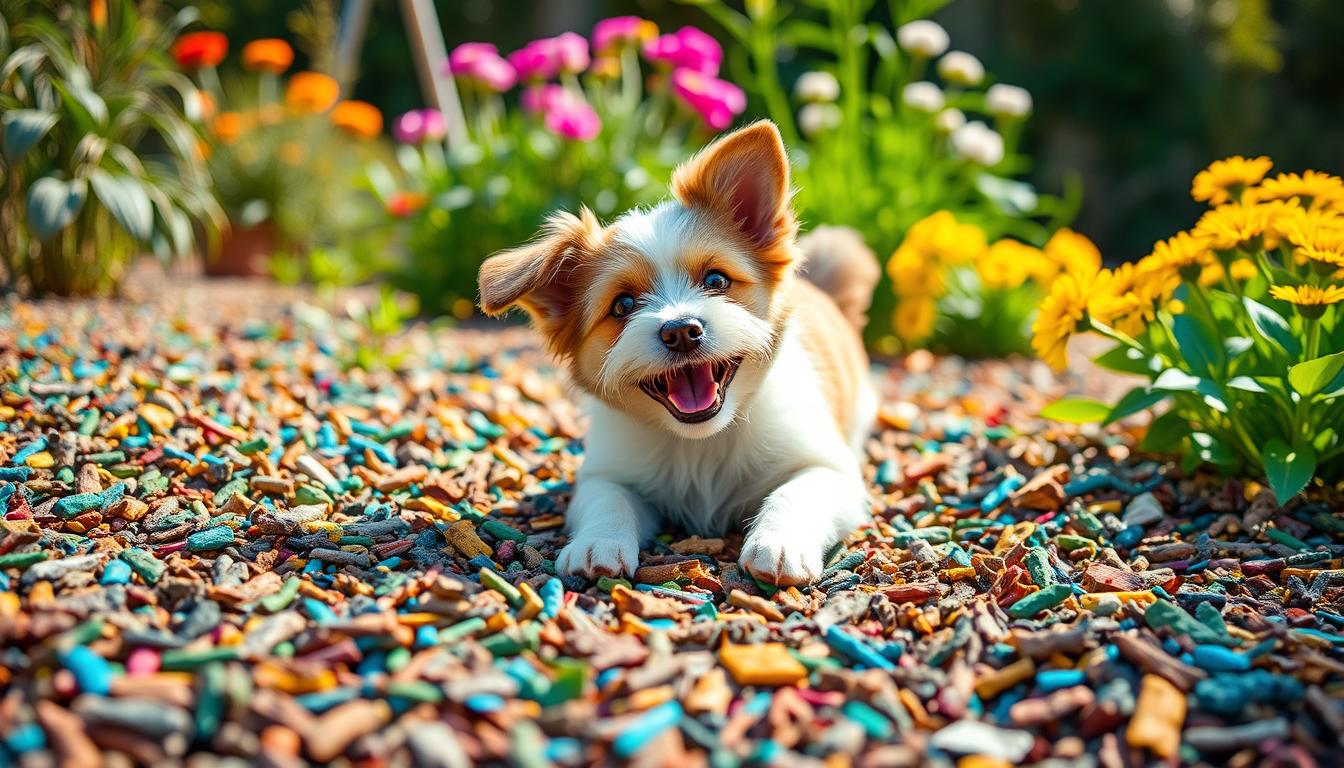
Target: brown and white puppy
(722, 390)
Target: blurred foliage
(1137, 96)
(99, 162)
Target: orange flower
(228, 127)
(404, 204)
(358, 118)
(98, 13)
(311, 92)
(270, 54)
(200, 49)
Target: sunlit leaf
(1288, 469)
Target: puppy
(722, 390)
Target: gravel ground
(221, 543)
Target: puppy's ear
(744, 175)
(539, 276)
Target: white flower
(961, 68)
(1007, 101)
(817, 86)
(949, 120)
(923, 96)
(818, 118)
(922, 38)
(978, 143)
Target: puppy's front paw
(595, 556)
(776, 558)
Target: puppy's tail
(836, 260)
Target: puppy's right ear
(540, 276)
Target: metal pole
(354, 25)
(422, 24)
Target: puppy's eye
(623, 305)
(716, 281)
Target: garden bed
(219, 538)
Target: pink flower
(716, 101)
(545, 58)
(562, 112)
(481, 63)
(612, 33)
(574, 119)
(687, 48)
(419, 126)
(539, 98)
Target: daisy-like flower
(1062, 315)
(1316, 235)
(922, 38)
(1237, 225)
(1071, 252)
(1313, 188)
(914, 318)
(1242, 270)
(816, 86)
(1219, 181)
(1309, 300)
(1185, 254)
(923, 96)
(1007, 264)
(940, 238)
(961, 68)
(1007, 101)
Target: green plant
(99, 163)
(876, 146)
(377, 323)
(1237, 324)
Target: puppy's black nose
(682, 335)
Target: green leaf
(1272, 327)
(53, 204)
(1246, 384)
(1076, 410)
(126, 200)
(1314, 375)
(1135, 400)
(1165, 434)
(1208, 449)
(1288, 469)
(1199, 349)
(1236, 346)
(1176, 380)
(1124, 359)
(23, 128)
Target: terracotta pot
(244, 251)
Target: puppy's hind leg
(799, 522)
(607, 524)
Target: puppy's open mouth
(693, 393)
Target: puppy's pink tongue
(693, 388)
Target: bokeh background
(1134, 97)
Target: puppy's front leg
(799, 522)
(607, 523)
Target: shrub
(957, 291)
(876, 144)
(99, 163)
(285, 151)
(1235, 323)
(589, 126)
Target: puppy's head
(671, 314)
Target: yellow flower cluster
(937, 245)
(1300, 217)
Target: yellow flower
(940, 237)
(1073, 253)
(1309, 300)
(1217, 182)
(1242, 270)
(1316, 235)
(1062, 315)
(1007, 264)
(914, 274)
(1185, 255)
(913, 319)
(1238, 225)
(1313, 188)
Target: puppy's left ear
(541, 276)
(744, 175)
